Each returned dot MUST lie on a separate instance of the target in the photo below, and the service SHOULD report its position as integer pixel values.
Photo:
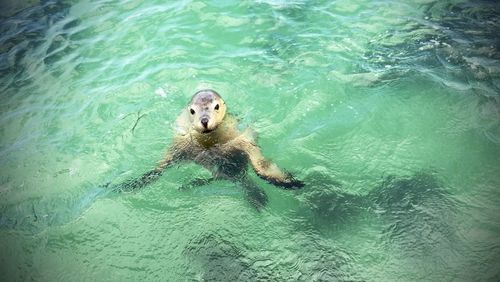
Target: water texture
(389, 111)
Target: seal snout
(204, 122)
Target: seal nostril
(204, 122)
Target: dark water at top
(389, 111)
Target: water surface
(389, 111)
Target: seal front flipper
(134, 184)
(288, 183)
(267, 170)
(172, 155)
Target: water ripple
(388, 111)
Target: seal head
(206, 110)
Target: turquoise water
(389, 111)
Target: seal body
(207, 135)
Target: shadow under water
(327, 200)
(220, 260)
(26, 30)
(458, 38)
(416, 210)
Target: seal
(208, 136)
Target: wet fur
(219, 147)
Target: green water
(389, 111)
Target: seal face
(206, 110)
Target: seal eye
(192, 111)
(217, 107)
